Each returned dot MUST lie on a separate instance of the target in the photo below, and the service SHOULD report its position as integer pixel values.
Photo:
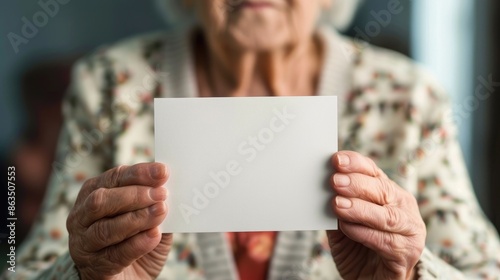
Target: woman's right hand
(113, 226)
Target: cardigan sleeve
(81, 154)
(459, 236)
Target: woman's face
(258, 25)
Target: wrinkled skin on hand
(382, 234)
(113, 226)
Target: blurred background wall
(456, 40)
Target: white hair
(339, 15)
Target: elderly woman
(405, 205)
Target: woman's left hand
(381, 234)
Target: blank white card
(247, 164)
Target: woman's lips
(255, 5)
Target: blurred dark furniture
(43, 87)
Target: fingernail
(155, 209)
(158, 194)
(156, 171)
(341, 180)
(344, 160)
(343, 202)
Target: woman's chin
(258, 41)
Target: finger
(378, 190)
(142, 174)
(111, 202)
(111, 231)
(352, 162)
(125, 253)
(383, 218)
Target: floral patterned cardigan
(389, 110)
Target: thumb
(165, 242)
(159, 255)
(335, 237)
